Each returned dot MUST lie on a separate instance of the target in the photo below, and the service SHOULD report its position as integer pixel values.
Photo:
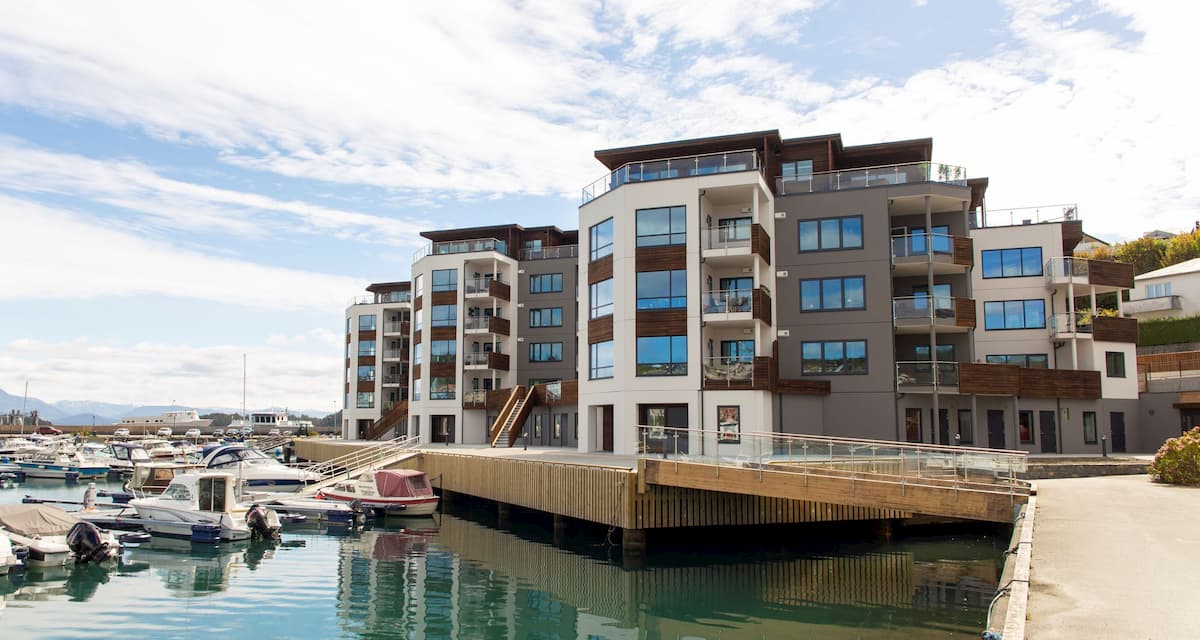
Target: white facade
(388, 375)
(1170, 292)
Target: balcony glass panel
(667, 168)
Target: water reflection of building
(471, 580)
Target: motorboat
(196, 505)
(393, 491)
(310, 508)
(60, 464)
(261, 422)
(54, 537)
(257, 470)
(152, 478)
(121, 456)
(8, 556)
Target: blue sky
(184, 183)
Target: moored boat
(54, 536)
(61, 465)
(393, 491)
(203, 503)
(257, 470)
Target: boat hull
(177, 523)
(60, 472)
(421, 506)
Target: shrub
(1178, 460)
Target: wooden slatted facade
(661, 258)
(600, 330)
(761, 305)
(964, 313)
(989, 379)
(1112, 329)
(1059, 383)
(600, 270)
(760, 242)
(1107, 273)
(500, 290)
(964, 251)
(661, 322)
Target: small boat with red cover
(393, 491)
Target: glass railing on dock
(860, 178)
(667, 168)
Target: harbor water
(460, 576)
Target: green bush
(1168, 331)
(1178, 460)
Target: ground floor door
(995, 426)
(443, 428)
(1117, 426)
(1049, 431)
(673, 438)
(912, 425)
(944, 427)
(606, 428)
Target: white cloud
(58, 254)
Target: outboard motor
(87, 544)
(263, 523)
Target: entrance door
(912, 425)
(944, 427)
(1116, 422)
(673, 436)
(443, 428)
(995, 423)
(606, 428)
(1049, 432)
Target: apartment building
(377, 357)
(751, 283)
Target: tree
(1145, 254)
(1182, 248)
(1099, 252)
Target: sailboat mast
(243, 386)
(23, 403)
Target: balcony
(924, 376)
(398, 327)
(461, 246)
(486, 324)
(391, 379)
(728, 245)
(1085, 326)
(1104, 275)
(864, 177)
(475, 399)
(482, 360)
(737, 307)
(916, 314)
(948, 254)
(395, 354)
(737, 373)
(551, 253)
(1151, 305)
(669, 168)
(476, 288)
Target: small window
(1114, 362)
(1089, 427)
(418, 350)
(833, 357)
(546, 317)
(601, 364)
(545, 352)
(441, 388)
(444, 280)
(662, 356)
(830, 234)
(662, 289)
(442, 350)
(366, 348)
(365, 400)
(601, 294)
(833, 294)
(443, 315)
(1027, 360)
(366, 323)
(601, 239)
(1012, 263)
(366, 374)
(177, 492)
(546, 283)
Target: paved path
(1115, 557)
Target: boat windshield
(238, 456)
(177, 492)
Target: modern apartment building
(378, 334)
(751, 283)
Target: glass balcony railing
(481, 285)
(391, 378)
(475, 396)
(1067, 267)
(550, 253)
(924, 373)
(475, 358)
(460, 246)
(667, 168)
(392, 354)
(393, 296)
(1060, 323)
(861, 178)
(727, 237)
(729, 369)
(923, 309)
(731, 301)
(922, 245)
(394, 327)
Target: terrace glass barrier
(667, 168)
(391, 378)
(475, 323)
(735, 369)
(924, 373)
(909, 309)
(480, 285)
(393, 327)
(1066, 267)
(460, 246)
(861, 178)
(729, 301)
(475, 358)
(727, 237)
(393, 354)
(475, 396)
(550, 253)
(394, 296)
(1061, 323)
(922, 244)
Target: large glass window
(1114, 361)
(833, 357)
(365, 400)
(417, 350)
(661, 226)
(662, 356)
(442, 350)
(418, 285)
(1027, 360)
(602, 298)
(796, 170)
(737, 350)
(1014, 314)
(443, 315)
(601, 361)
(1089, 427)
(366, 323)
(945, 352)
(734, 229)
(1012, 263)
(832, 294)
(545, 317)
(441, 388)
(662, 289)
(601, 239)
(545, 283)
(545, 352)
(966, 427)
(366, 348)
(444, 280)
(366, 374)
(829, 234)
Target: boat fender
(87, 544)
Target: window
(661, 226)
(366, 374)
(945, 352)
(662, 356)
(830, 234)
(545, 317)
(1089, 427)
(533, 246)
(831, 294)
(737, 350)
(366, 323)
(1114, 362)
(545, 283)
(545, 352)
(442, 350)
(1027, 360)
(1160, 290)
(601, 239)
(796, 170)
(441, 388)
(443, 315)
(444, 280)
(602, 298)
(834, 357)
(417, 350)
(1012, 263)
(966, 427)
(734, 229)
(416, 389)
(942, 300)
(366, 348)
(418, 319)
(662, 289)
(365, 400)
(1014, 314)
(1025, 427)
(418, 284)
(601, 362)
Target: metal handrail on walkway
(364, 459)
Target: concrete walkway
(1115, 557)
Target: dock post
(560, 530)
(633, 548)
(502, 515)
(883, 530)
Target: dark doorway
(995, 423)
(912, 425)
(1049, 432)
(606, 428)
(443, 428)
(943, 427)
(1188, 419)
(1116, 421)
(673, 438)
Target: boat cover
(32, 520)
(393, 483)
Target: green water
(458, 576)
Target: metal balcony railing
(729, 301)
(860, 178)
(667, 168)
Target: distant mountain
(8, 402)
(86, 419)
(89, 408)
(82, 412)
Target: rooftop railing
(1030, 215)
(863, 177)
(668, 168)
(550, 253)
(460, 246)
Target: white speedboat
(8, 558)
(393, 491)
(62, 465)
(257, 470)
(202, 504)
(121, 456)
(54, 536)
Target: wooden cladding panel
(760, 242)
(366, 361)
(500, 290)
(661, 322)
(443, 297)
(418, 303)
(347, 338)
(600, 270)
(989, 379)
(496, 398)
(1072, 235)
(1114, 329)
(761, 309)
(1059, 383)
(366, 385)
(1107, 273)
(964, 251)
(499, 325)
(661, 258)
(600, 330)
(416, 370)
(442, 369)
(1177, 361)
(569, 394)
(443, 333)
(802, 386)
(366, 335)
(498, 361)
(416, 336)
(964, 313)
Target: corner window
(545, 352)
(417, 350)
(442, 350)
(545, 317)
(661, 226)
(1114, 362)
(444, 280)
(365, 400)
(601, 299)
(546, 283)
(366, 323)
(833, 357)
(600, 239)
(662, 356)
(830, 234)
(601, 361)
(1012, 263)
(416, 389)
(1014, 314)
(832, 294)
(366, 348)
(662, 289)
